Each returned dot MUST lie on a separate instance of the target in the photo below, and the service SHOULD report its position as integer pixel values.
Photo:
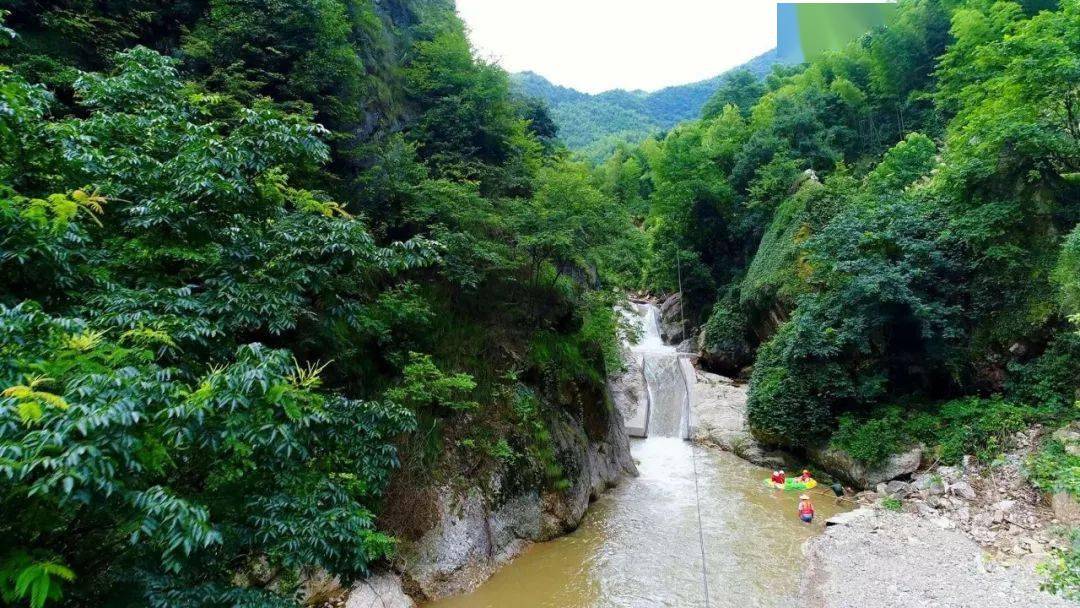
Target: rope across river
(701, 534)
(693, 450)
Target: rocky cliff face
(718, 418)
(629, 393)
(478, 530)
(470, 528)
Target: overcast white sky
(596, 45)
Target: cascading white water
(642, 543)
(664, 377)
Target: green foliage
(726, 333)
(903, 164)
(470, 129)
(953, 429)
(977, 426)
(892, 504)
(1054, 469)
(1049, 381)
(1062, 571)
(24, 578)
(1067, 273)
(570, 223)
(425, 387)
(259, 460)
(871, 441)
(741, 88)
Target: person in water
(783, 477)
(838, 490)
(776, 478)
(806, 509)
(805, 477)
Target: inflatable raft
(792, 484)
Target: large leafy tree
(147, 428)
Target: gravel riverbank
(881, 559)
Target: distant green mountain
(594, 124)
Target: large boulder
(840, 465)
(1069, 436)
(1066, 508)
(671, 319)
(382, 590)
(718, 417)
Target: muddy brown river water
(638, 544)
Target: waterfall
(665, 381)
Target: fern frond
(30, 401)
(307, 375)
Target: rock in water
(629, 394)
(671, 320)
(718, 417)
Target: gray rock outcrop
(671, 320)
(477, 530)
(629, 394)
(718, 417)
(840, 465)
(381, 590)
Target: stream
(639, 544)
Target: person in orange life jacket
(806, 509)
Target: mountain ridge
(593, 124)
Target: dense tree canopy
(264, 262)
(887, 223)
(250, 272)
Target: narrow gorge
(640, 544)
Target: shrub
(1053, 469)
(969, 425)
(790, 401)
(726, 332)
(1048, 382)
(977, 426)
(1062, 571)
(871, 441)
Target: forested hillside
(258, 260)
(272, 271)
(595, 124)
(887, 234)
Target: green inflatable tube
(792, 484)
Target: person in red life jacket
(783, 477)
(805, 477)
(806, 509)
(776, 478)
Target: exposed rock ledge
(838, 464)
(474, 535)
(718, 417)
